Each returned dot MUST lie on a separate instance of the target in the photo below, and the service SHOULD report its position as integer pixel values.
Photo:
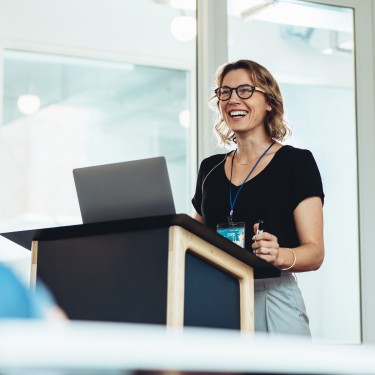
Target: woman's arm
(198, 217)
(308, 218)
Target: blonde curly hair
(276, 126)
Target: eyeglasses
(243, 91)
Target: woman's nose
(234, 98)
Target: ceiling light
(184, 28)
(28, 104)
(327, 51)
(184, 118)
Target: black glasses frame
(236, 89)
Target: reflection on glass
(309, 49)
(91, 112)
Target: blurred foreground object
(18, 302)
(34, 347)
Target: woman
(263, 179)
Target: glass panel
(91, 112)
(309, 49)
(127, 96)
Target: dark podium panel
(220, 304)
(120, 277)
(158, 270)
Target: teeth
(238, 113)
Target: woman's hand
(266, 246)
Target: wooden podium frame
(185, 235)
(180, 241)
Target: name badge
(232, 231)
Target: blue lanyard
(232, 201)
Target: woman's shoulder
(299, 160)
(291, 152)
(214, 160)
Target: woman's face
(243, 115)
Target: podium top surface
(25, 238)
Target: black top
(272, 195)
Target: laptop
(126, 190)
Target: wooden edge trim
(180, 241)
(176, 277)
(34, 264)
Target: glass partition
(90, 112)
(309, 49)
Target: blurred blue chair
(16, 300)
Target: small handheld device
(260, 226)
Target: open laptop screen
(126, 190)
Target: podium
(169, 270)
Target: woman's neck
(249, 150)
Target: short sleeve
(307, 181)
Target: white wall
(95, 28)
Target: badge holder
(232, 231)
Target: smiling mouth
(237, 114)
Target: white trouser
(279, 306)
